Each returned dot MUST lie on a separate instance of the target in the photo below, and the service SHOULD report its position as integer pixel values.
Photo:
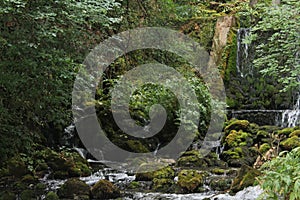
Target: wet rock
(104, 189)
(245, 178)
(190, 180)
(220, 184)
(73, 188)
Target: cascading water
(291, 118)
(243, 66)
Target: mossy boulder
(27, 195)
(134, 185)
(264, 148)
(238, 156)
(237, 125)
(145, 172)
(73, 188)
(218, 171)
(245, 178)
(162, 185)
(220, 184)
(51, 196)
(166, 172)
(190, 180)
(237, 139)
(191, 159)
(136, 146)
(290, 143)
(16, 167)
(7, 195)
(285, 131)
(104, 189)
(295, 133)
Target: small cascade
(291, 118)
(156, 150)
(243, 66)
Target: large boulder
(190, 180)
(104, 189)
(245, 178)
(74, 188)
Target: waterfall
(291, 118)
(243, 65)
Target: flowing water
(291, 118)
(242, 58)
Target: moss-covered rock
(73, 188)
(16, 167)
(290, 143)
(218, 171)
(245, 178)
(220, 184)
(104, 189)
(136, 146)
(51, 196)
(162, 185)
(27, 195)
(238, 156)
(166, 172)
(237, 139)
(134, 185)
(285, 131)
(191, 159)
(295, 133)
(264, 148)
(7, 195)
(190, 180)
(145, 172)
(237, 125)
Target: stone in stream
(104, 189)
(74, 188)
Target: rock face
(220, 38)
(104, 189)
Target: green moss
(166, 172)
(220, 184)
(191, 159)
(285, 131)
(264, 148)
(190, 180)
(73, 187)
(237, 125)
(218, 171)
(236, 138)
(104, 189)
(51, 196)
(295, 133)
(17, 167)
(134, 185)
(290, 143)
(136, 146)
(27, 195)
(6, 195)
(245, 178)
(162, 185)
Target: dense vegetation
(44, 43)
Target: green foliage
(277, 33)
(281, 176)
(41, 44)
